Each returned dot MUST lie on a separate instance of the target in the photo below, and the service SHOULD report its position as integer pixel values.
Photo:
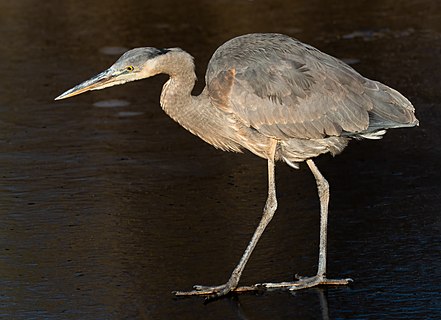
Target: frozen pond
(107, 205)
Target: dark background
(107, 205)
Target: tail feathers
(376, 135)
(377, 122)
(390, 110)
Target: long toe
(209, 291)
(306, 282)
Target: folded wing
(286, 89)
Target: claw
(299, 277)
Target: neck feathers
(176, 98)
(178, 64)
(196, 114)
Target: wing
(284, 88)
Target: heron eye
(130, 68)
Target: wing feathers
(284, 89)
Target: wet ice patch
(116, 103)
(368, 35)
(364, 34)
(112, 103)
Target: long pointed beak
(100, 81)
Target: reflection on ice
(129, 113)
(112, 103)
(368, 35)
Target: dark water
(107, 205)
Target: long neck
(176, 98)
(194, 113)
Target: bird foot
(213, 293)
(305, 282)
(205, 291)
(300, 283)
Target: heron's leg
(320, 278)
(323, 191)
(268, 213)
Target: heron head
(136, 64)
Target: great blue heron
(277, 97)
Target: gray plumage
(288, 90)
(276, 97)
